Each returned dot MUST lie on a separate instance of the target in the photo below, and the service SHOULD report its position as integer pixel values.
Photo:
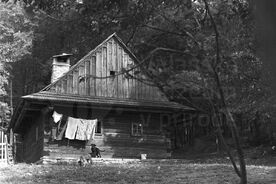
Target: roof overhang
(55, 99)
(37, 101)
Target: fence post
(1, 145)
(6, 149)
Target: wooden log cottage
(129, 113)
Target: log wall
(33, 138)
(116, 139)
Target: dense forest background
(205, 54)
(180, 30)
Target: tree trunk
(217, 123)
(235, 134)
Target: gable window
(112, 73)
(136, 129)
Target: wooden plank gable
(101, 74)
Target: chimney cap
(62, 55)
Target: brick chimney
(61, 65)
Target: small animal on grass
(95, 151)
(84, 160)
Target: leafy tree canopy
(16, 34)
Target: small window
(36, 134)
(98, 129)
(112, 73)
(137, 129)
(164, 122)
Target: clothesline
(75, 128)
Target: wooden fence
(3, 148)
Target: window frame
(135, 131)
(101, 128)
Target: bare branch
(132, 35)
(54, 18)
(233, 126)
(216, 33)
(184, 31)
(139, 64)
(163, 30)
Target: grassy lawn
(146, 172)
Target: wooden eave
(104, 101)
(35, 102)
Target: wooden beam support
(32, 109)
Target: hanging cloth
(61, 133)
(91, 128)
(56, 116)
(72, 125)
(53, 126)
(81, 130)
(86, 129)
